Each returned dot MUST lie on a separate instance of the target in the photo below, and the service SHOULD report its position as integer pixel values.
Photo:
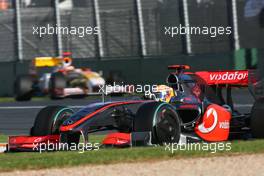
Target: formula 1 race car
(189, 108)
(64, 80)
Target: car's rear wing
(47, 61)
(238, 78)
(51, 61)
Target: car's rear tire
(49, 119)
(23, 88)
(115, 77)
(57, 84)
(257, 120)
(161, 119)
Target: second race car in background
(64, 79)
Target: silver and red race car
(190, 108)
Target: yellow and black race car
(61, 81)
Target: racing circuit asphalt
(17, 118)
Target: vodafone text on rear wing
(235, 77)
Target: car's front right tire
(57, 85)
(257, 120)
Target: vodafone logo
(228, 76)
(37, 140)
(118, 141)
(211, 115)
(12, 140)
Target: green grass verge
(3, 138)
(29, 160)
(6, 99)
(11, 99)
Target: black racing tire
(23, 88)
(257, 120)
(49, 119)
(57, 83)
(161, 119)
(115, 77)
(70, 138)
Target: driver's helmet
(163, 93)
(66, 63)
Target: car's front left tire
(161, 119)
(257, 120)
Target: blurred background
(131, 39)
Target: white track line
(78, 107)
